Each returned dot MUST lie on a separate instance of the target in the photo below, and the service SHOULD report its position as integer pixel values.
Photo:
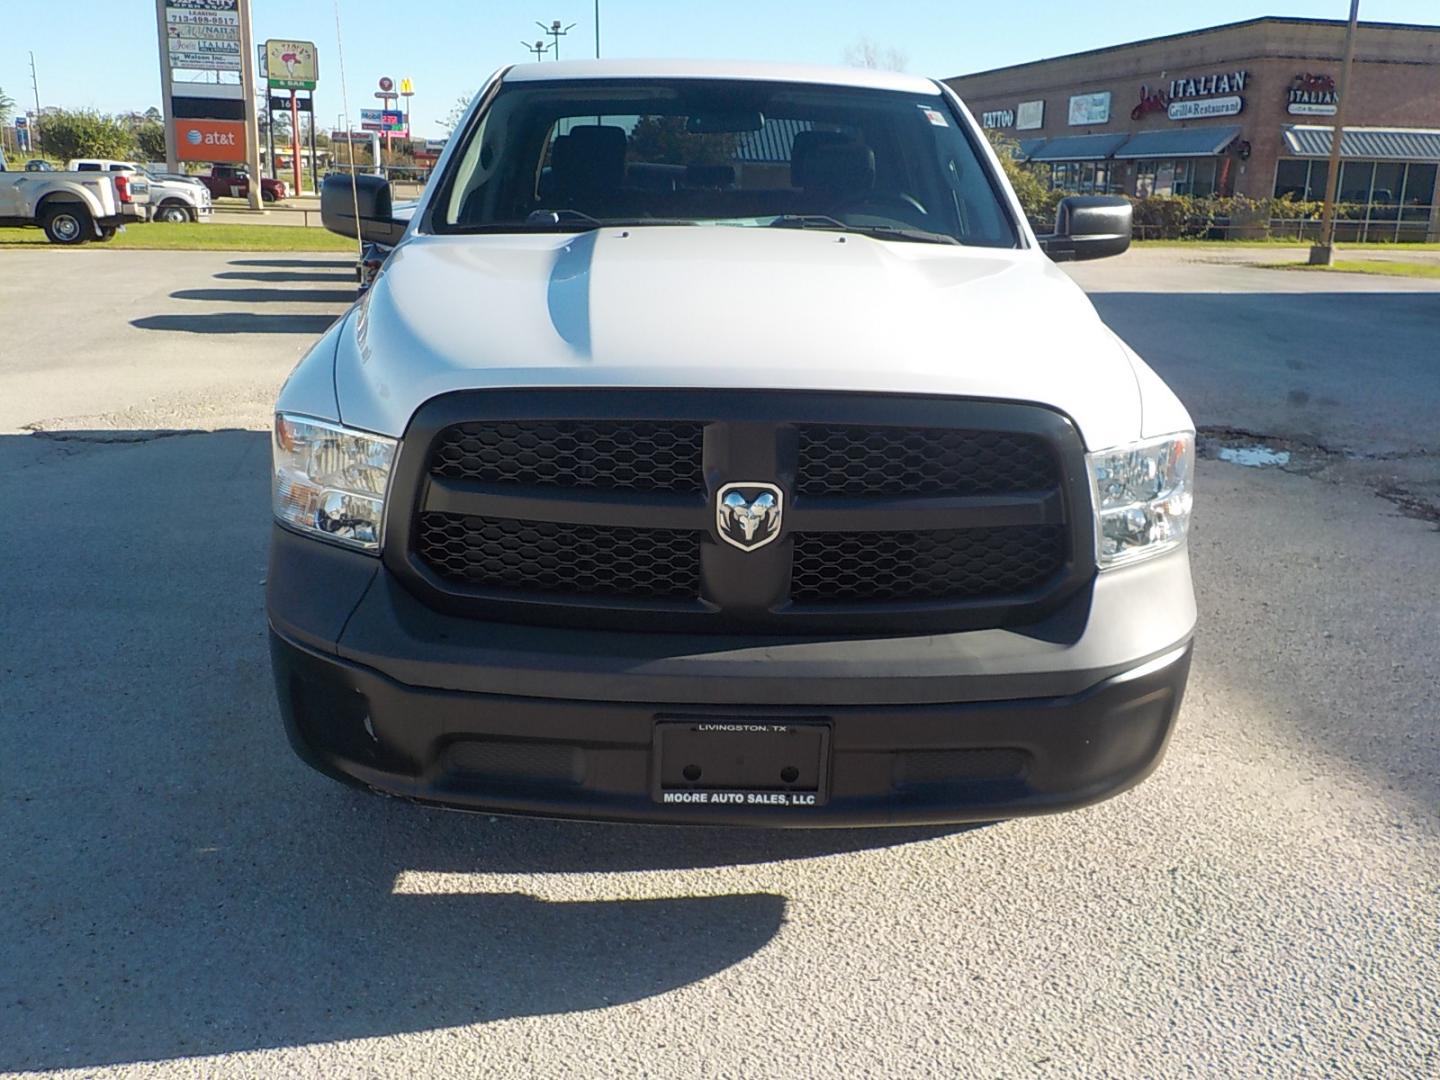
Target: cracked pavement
(184, 898)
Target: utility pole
(597, 29)
(539, 49)
(35, 85)
(555, 32)
(1323, 253)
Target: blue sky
(448, 47)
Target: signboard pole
(295, 139)
(172, 163)
(314, 162)
(247, 91)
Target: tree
(867, 53)
(664, 139)
(457, 112)
(7, 105)
(154, 115)
(85, 133)
(1031, 188)
(151, 138)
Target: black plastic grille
(950, 564)
(636, 455)
(842, 459)
(543, 556)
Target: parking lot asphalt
(181, 897)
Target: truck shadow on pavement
(178, 884)
(239, 288)
(237, 322)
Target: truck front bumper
(380, 691)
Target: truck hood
(728, 307)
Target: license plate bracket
(721, 762)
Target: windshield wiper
(883, 232)
(564, 214)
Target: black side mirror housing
(366, 203)
(1089, 227)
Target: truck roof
(864, 78)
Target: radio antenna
(349, 135)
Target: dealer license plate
(741, 763)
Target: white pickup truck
(72, 207)
(173, 198)
(719, 444)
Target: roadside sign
(210, 140)
(382, 120)
(203, 35)
(282, 104)
(387, 84)
(407, 88)
(291, 65)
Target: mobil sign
(210, 140)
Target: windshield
(577, 155)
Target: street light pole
(1323, 253)
(597, 29)
(556, 32)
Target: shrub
(84, 133)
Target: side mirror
(1089, 227)
(367, 201)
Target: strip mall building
(1241, 109)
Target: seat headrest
(589, 158)
(840, 169)
(803, 151)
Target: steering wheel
(907, 206)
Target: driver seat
(831, 168)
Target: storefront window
(1290, 179)
(1177, 176)
(1381, 200)
(1082, 177)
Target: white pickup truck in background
(72, 207)
(173, 197)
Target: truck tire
(176, 213)
(107, 232)
(67, 223)
(267, 196)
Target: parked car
(233, 181)
(173, 198)
(39, 165)
(804, 491)
(72, 207)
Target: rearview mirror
(344, 199)
(1089, 227)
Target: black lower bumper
(886, 764)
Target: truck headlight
(330, 481)
(1142, 495)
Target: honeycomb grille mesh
(893, 462)
(635, 455)
(543, 556)
(950, 564)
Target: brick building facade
(1244, 109)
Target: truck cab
(172, 199)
